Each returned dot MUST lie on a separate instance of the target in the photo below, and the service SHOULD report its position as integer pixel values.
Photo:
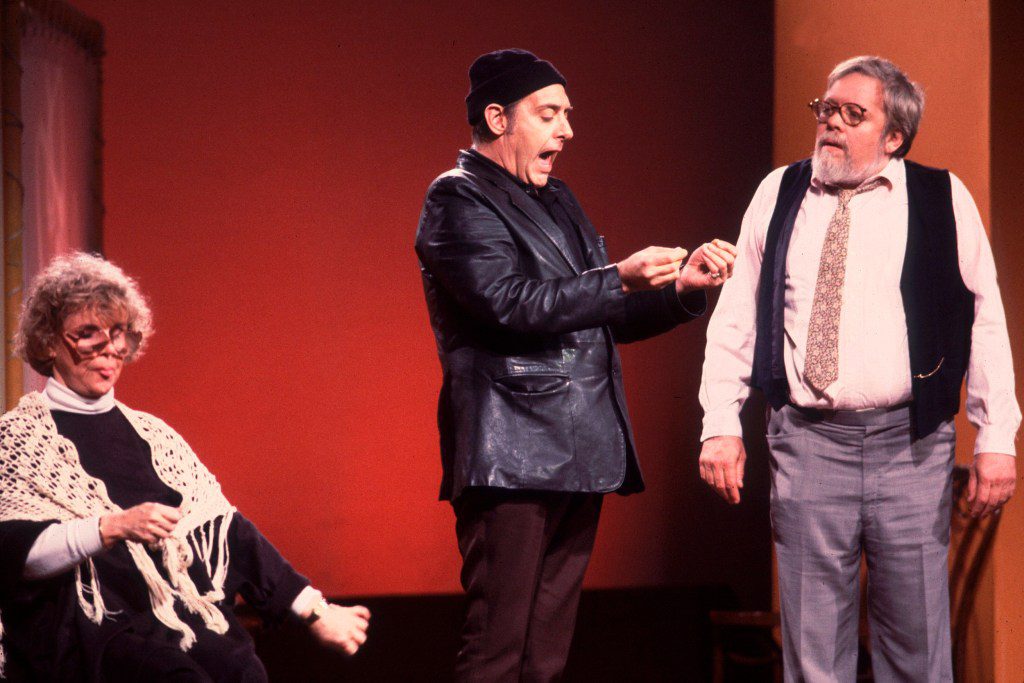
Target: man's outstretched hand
(650, 268)
(654, 267)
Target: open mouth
(547, 160)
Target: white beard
(836, 169)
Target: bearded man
(864, 290)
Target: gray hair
(70, 284)
(903, 98)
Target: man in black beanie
(526, 311)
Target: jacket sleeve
(468, 249)
(259, 573)
(649, 314)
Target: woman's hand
(342, 628)
(145, 523)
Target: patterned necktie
(821, 366)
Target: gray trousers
(846, 483)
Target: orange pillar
(1007, 123)
(10, 40)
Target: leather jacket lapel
(536, 213)
(591, 250)
(526, 204)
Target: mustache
(831, 139)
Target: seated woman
(120, 558)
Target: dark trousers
(130, 658)
(524, 554)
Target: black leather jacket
(532, 392)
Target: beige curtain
(59, 52)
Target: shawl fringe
(50, 483)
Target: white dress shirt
(874, 354)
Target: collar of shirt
(893, 175)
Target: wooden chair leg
(718, 658)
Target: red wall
(264, 168)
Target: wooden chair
(972, 539)
(762, 651)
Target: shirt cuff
(721, 423)
(305, 600)
(991, 439)
(612, 273)
(613, 288)
(61, 546)
(91, 538)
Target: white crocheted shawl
(41, 478)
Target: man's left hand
(708, 266)
(993, 479)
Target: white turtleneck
(59, 397)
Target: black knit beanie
(503, 77)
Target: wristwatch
(319, 609)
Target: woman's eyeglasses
(90, 341)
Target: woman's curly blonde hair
(72, 283)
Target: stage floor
(655, 634)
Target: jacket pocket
(534, 383)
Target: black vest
(938, 306)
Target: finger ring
(715, 276)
